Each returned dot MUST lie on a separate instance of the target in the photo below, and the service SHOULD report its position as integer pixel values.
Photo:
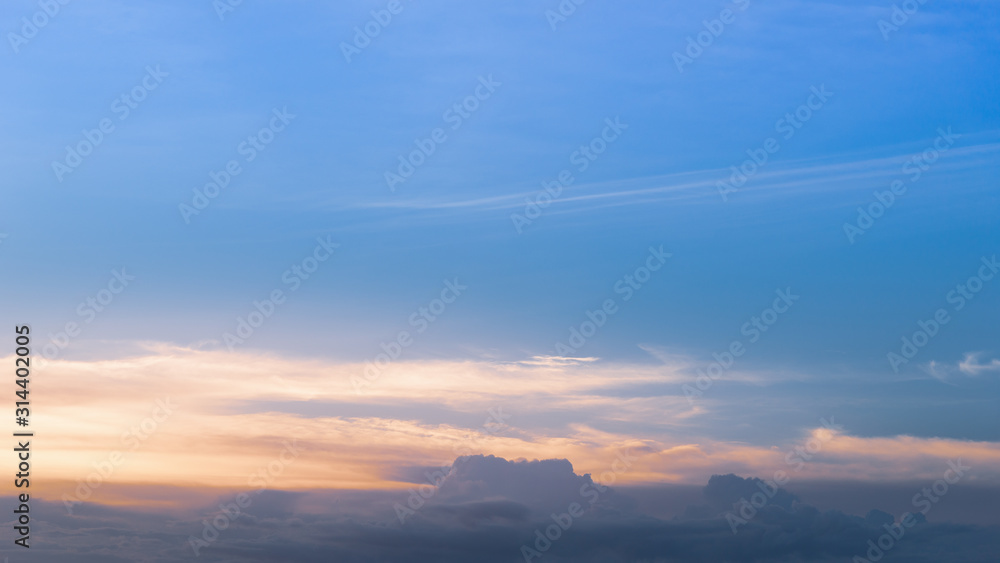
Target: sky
(319, 251)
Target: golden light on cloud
(193, 419)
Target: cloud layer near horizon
(495, 510)
(196, 419)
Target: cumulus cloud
(493, 510)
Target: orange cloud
(212, 419)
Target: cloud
(972, 366)
(231, 416)
(969, 366)
(541, 485)
(824, 174)
(488, 510)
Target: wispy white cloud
(832, 174)
(971, 365)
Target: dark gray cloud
(493, 510)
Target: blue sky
(323, 176)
